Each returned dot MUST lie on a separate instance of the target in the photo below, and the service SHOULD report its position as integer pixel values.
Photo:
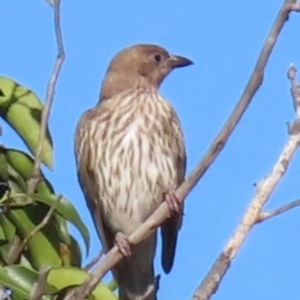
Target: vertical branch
(49, 96)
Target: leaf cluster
(37, 252)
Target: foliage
(34, 237)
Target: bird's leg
(173, 202)
(122, 242)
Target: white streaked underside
(134, 131)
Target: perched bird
(130, 157)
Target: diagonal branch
(18, 246)
(253, 214)
(161, 213)
(49, 96)
(94, 261)
(38, 287)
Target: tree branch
(253, 214)
(17, 247)
(49, 97)
(278, 211)
(161, 213)
(38, 287)
(94, 260)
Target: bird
(130, 156)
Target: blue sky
(224, 41)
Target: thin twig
(49, 97)
(161, 213)
(38, 287)
(43, 223)
(13, 251)
(295, 89)
(39, 227)
(252, 216)
(94, 261)
(278, 211)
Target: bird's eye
(157, 57)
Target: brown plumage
(130, 156)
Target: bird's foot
(122, 242)
(173, 202)
(157, 280)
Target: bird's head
(139, 65)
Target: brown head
(139, 65)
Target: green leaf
(3, 172)
(23, 164)
(62, 229)
(75, 253)
(8, 87)
(11, 241)
(68, 211)
(61, 278)
(8, 227)
(16, 183)
(43, 246)
(3, 165)
(21, 280)
(2, 236)
(11, 283)
(22, 110)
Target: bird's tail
(135, 274)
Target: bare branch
(278, 211)
(295, 89)
(49, 96)
(94, 261)
(14, 250)
(17, 251)
(253, 214)
(161, 213)
(38, 287)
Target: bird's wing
(87, 178)
(169, 229)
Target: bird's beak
(176, 61)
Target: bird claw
(157, 280)
(122, 242)
(173, 202)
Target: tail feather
(135, 274)
(169, 232)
